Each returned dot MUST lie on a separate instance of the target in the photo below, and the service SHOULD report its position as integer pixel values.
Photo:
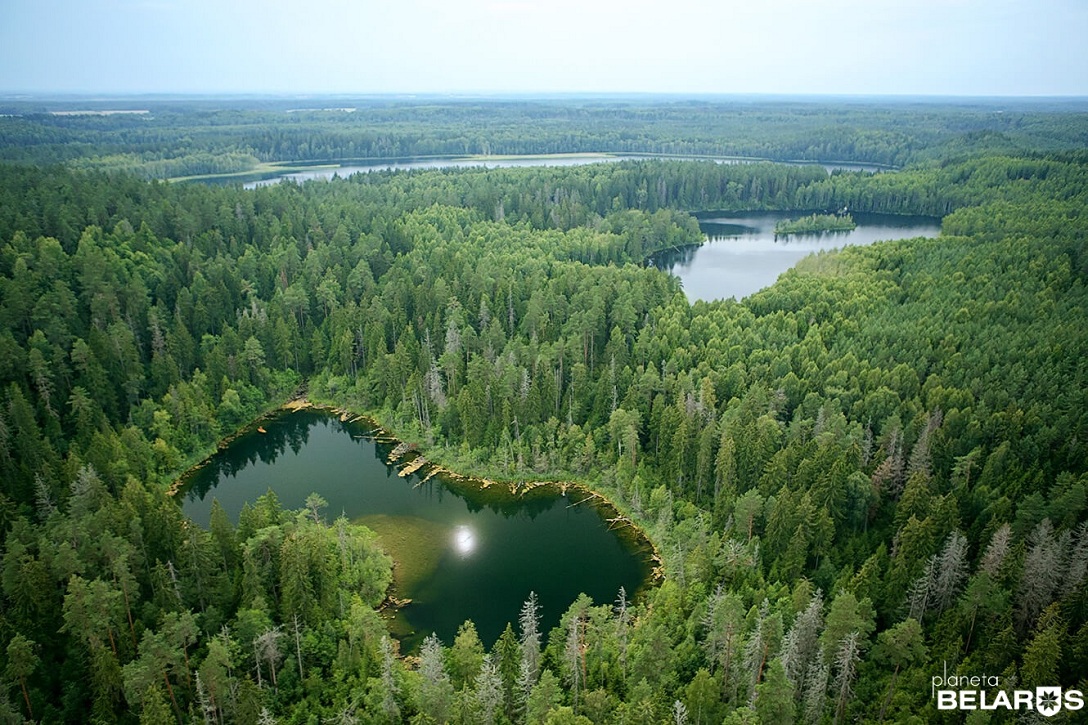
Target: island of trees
(816, 224)
(868, 472)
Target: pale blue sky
(941, 47)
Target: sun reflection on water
(464, 540)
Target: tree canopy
(875, 466)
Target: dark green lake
(462, 552)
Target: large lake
(742, 254)
(495, 162)
(462, 552)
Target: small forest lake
(461, 551)
(742, 254)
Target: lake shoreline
(742, 253)
(407, 458)
(402, 457)
(182, 478)
(273, 171)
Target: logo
(985, 692)
(1048, 700)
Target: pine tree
(390, 708)
(489, 692)
(622, 620)
(1042, 663)
(902, 645)
(574, 656)
(529, 621)
(723, 623)
(22, 661)
(802, 642)
(435, 695)
(755, 651)
(774, 702)
(546, 695)
(1038, 584)
(702, 699)
(846, 662)
(951, 572)
(466, 656)
(523, 690)
(815, 697)
(154, 710)
(1076, 568)
(994, 557)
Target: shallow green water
(462, 552)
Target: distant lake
(742, 255)
(496, 162)
(461, 551)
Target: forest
(183, 137)
(868, 474)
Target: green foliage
(466, 656)
(895, 426)
(774, 697)
(227, 137)
(815, 224)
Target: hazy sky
(959, 47)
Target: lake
(742, 255)
(462, 552)
(495, 162)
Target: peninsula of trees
(872, 469)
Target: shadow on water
(720, 230)
(272, 438)
(283, 433)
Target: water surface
(495, 162)
(742, 254)
(329, 172)
(461, 552)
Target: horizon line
(105, 95)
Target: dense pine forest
(870, 474)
